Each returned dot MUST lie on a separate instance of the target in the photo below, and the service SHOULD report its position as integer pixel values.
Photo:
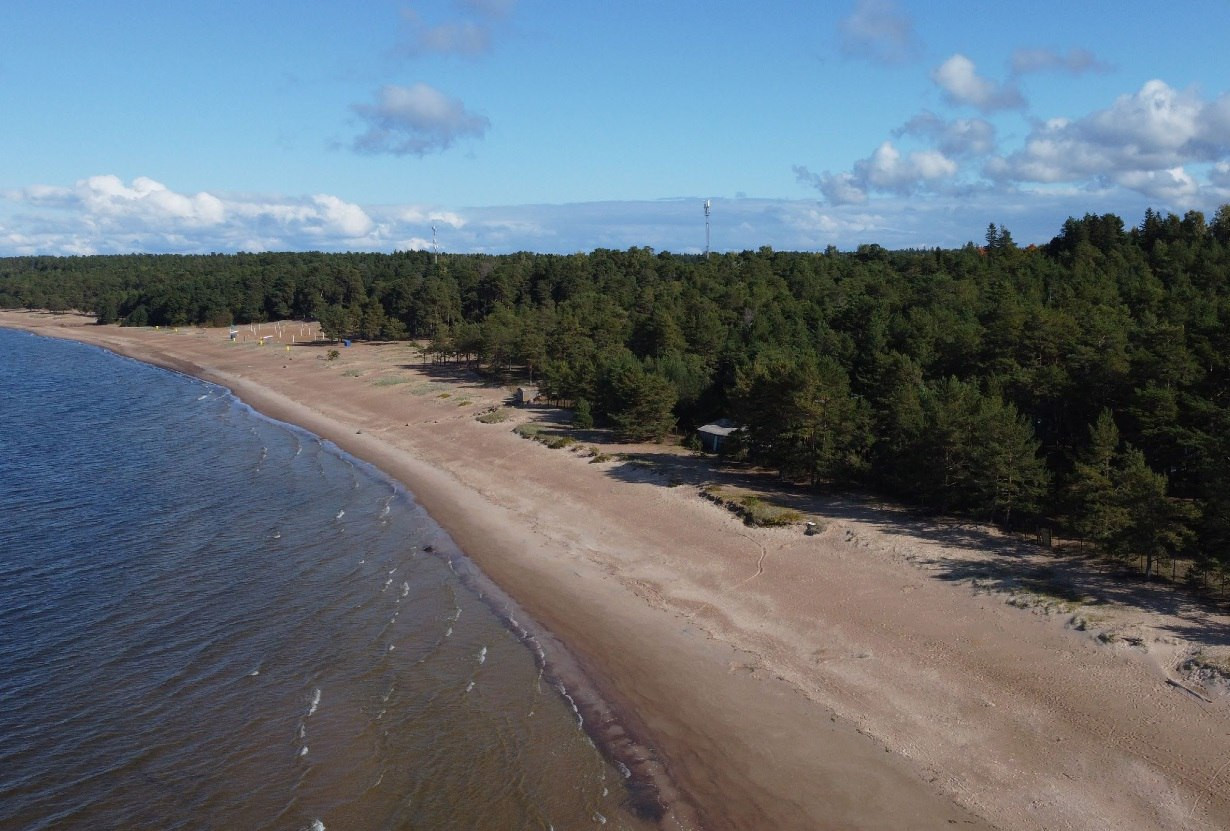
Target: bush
(494, 416)
(753, 509)
(582, 416)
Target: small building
(713, 436)
(525, 395)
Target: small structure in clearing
(713, 436)
(525, 395)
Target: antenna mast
(706, 229)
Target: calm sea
(209, 620)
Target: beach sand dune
(885, 672)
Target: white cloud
(415, 120)
(54, 220)
(105, 215)
(1174, 186)
(878, 31)
(1073, 62)
(1143, 141)
(886, 170)
(961, 138)
(415, 214)
(962, 85)
(108, 198)
(1219, 176)
(341, 218)
(837, 188)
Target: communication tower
(706, 229)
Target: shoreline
(778, 681)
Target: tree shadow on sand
(995, 561)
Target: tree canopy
(1086, 380)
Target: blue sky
(558, 127)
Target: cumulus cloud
(961, 138)
(1073, 62)
(887, 170)
(109, 197)
(878, 31)
(836, 188)
(415, 120)
(1173, 186)
(1143, 141)
(103, 214)
(62, 220)
(1219, 176)
(963, 86)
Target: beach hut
(525, 395)
(713, 436)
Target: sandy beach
(885, 672)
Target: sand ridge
(870, 676)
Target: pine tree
(1157, 526)
(1096, 514)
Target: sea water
(211, 620)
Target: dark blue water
(212, 620)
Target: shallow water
(212, 620)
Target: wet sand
(869, 676)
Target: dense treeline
(1086, 381)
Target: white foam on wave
(303, 751)
(573, 704)
(340, 514)
(405, 588)
(469, 686)
(482, 655)
(448, 633)
(386, 585)
(315, 701)
(391, 647)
